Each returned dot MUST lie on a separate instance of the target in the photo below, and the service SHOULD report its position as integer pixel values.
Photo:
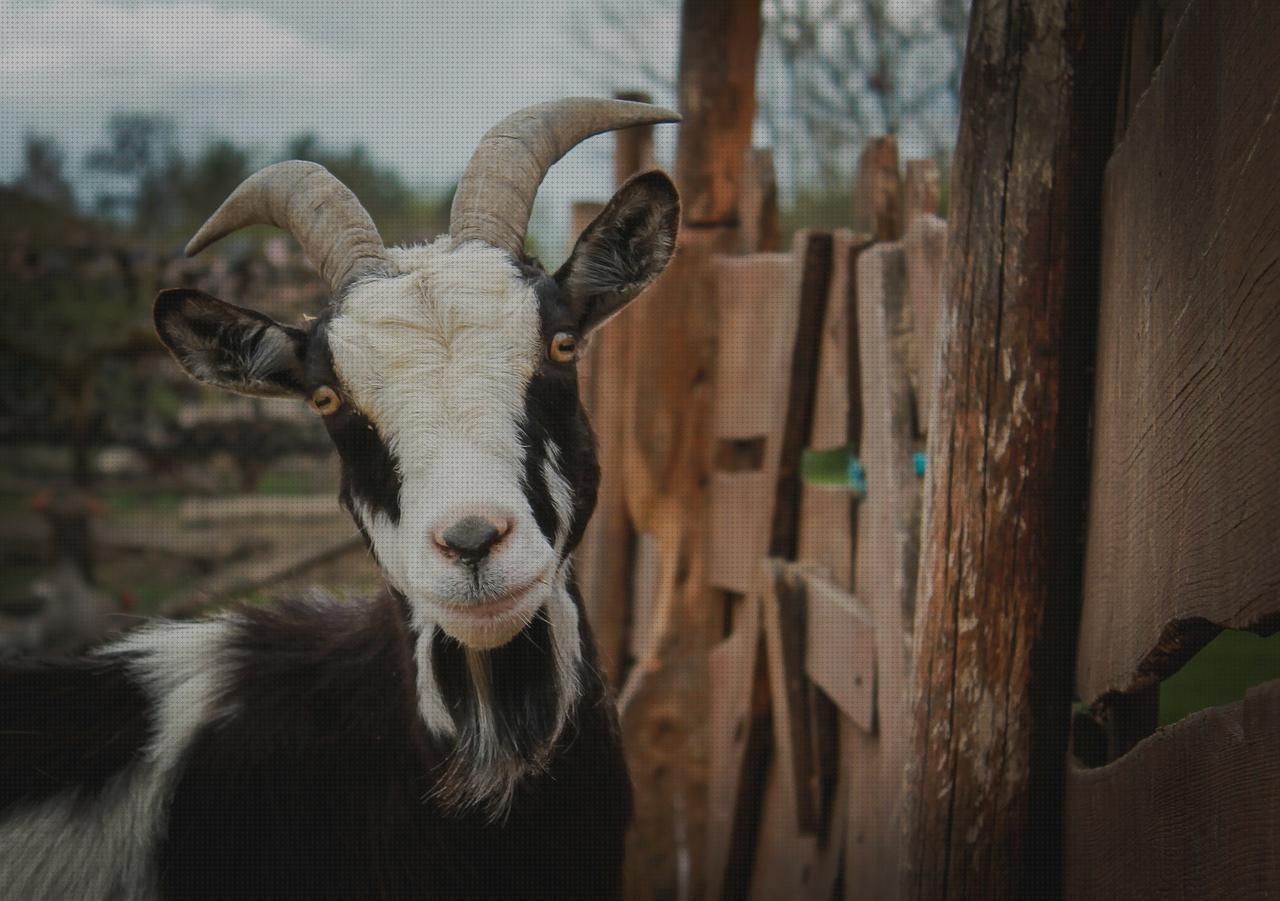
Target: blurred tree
(42, 174)
(832, 75)
(139, 158)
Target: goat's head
(445, 373)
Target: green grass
(1220, 674)
(291, 482)
(125, 500)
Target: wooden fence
(809, 729)
(827, 345)
(1184, 508)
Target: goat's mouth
(493, 606)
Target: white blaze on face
(439, 360)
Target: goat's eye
(564, 348)
(324, 400)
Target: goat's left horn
(324, 217)
(495, 196)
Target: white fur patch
(561, 495)
(62, 849)
(440, 359)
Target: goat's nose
(471, 538)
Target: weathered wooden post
(668, 454)
(877, 194)
(999, 582)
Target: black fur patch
(370, 472)
(67, 725)
(319, 785)
(553, 413)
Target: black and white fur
(450, 738)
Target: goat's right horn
(325, 218)
(495, 196)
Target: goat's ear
(624, 249)
(230, 347)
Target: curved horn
(495, 195)
(321, 213)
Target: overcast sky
(416, 81)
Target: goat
(451, 737)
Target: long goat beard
(509, 707)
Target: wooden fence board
(826, 521)
(884, 568)
(1184, 509)
(840, 650)
(783, 609)
(739, 731)
(1191, 812)
(920, 191)
(758, 310)
(740, 503)
(925, 245)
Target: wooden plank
(783, 609)
(1184, 508)
(840, 650)
(925, 245)
(759, 229)
(826, 521)
(646, 579)
(201, 510)
(739, 736)
(784, 858)
(884, 564)
(826, 540)
(1189, 813)
(1000, 564)
(240, 579)
(877, 198)
(813, 251)
(739, 531)
(920, 192)
(669, 449)
(757, 299)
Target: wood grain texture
(826, 520)
(719, 44)
(925, 245)
(884, 568)
(741, 503)
(759, 230)
(1184, 524)
(1189, 813)
(784, 613)
(840, 650)
(757, 299)
(1000, 564)
(877, 192)
(740, 735)
(921, 191)
(669, 453)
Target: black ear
(624, 249)
(230, 347)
